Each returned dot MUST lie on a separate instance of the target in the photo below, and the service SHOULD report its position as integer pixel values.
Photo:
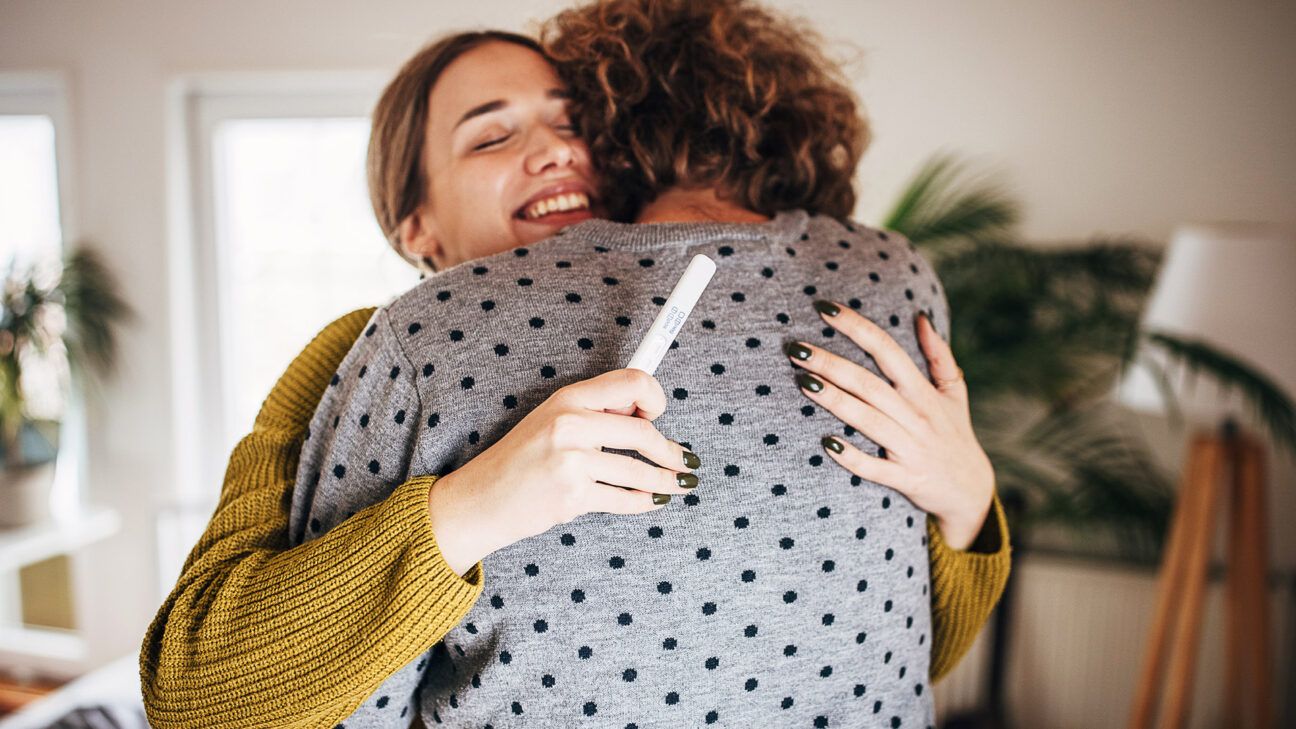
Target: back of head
(709, 93)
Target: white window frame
(45, 93)
(196, 104)
(77, 522)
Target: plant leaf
(1268, 402)
(943, 201)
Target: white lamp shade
(1232, 285)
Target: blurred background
(1109, 190)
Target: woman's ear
(418, 237)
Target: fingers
(894, 362)
(596, 417)
(612, 389)
(940, 359)
(619, 470)
(632, 434)
(856, 381)
(871, 468)
(852, 411)
(618, 500)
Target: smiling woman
(499, 162)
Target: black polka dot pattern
(782, 586)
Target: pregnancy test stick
(678, 306)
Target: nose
(549, 149)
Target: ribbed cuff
(967, 585)
(412, 497)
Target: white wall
(1107, 116)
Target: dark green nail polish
(798, 350)
(833, 444)
(660, 499)
(686, 480)
(691, 460)
(826, 307)
(808, 382)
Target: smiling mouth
(562, 203)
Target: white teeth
(557, 203)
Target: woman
(241, 567)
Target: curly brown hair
(709, 93)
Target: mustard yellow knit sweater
(257, 634)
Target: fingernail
(660, 499)
(930, 324)
(691, 460)
(808, 381)
(798, 350)
(826, 307)
(686, 481)
(832, 444)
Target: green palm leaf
(93, 307)
(940, 205)
(1266, 399)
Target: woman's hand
(550, 468)
(929, 451)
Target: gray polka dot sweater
(783, 591)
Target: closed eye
(490, 143)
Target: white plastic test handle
(678, 306)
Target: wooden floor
(15, 694)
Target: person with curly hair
(721, 126)
(728, 104)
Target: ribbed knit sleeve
(257, 634)
(966, 585)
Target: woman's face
(504, 166)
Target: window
(30, 231)
(280, 238)
(34, 223)
(299, 244)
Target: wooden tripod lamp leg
(1254, 554)
(1183, 654)
(1173, 576)
(1177, 624)
(1235, 617)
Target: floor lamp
(1223, 469)
(1229, 285)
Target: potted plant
(56, 329)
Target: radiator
(1077, 641)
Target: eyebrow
(498, 104)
